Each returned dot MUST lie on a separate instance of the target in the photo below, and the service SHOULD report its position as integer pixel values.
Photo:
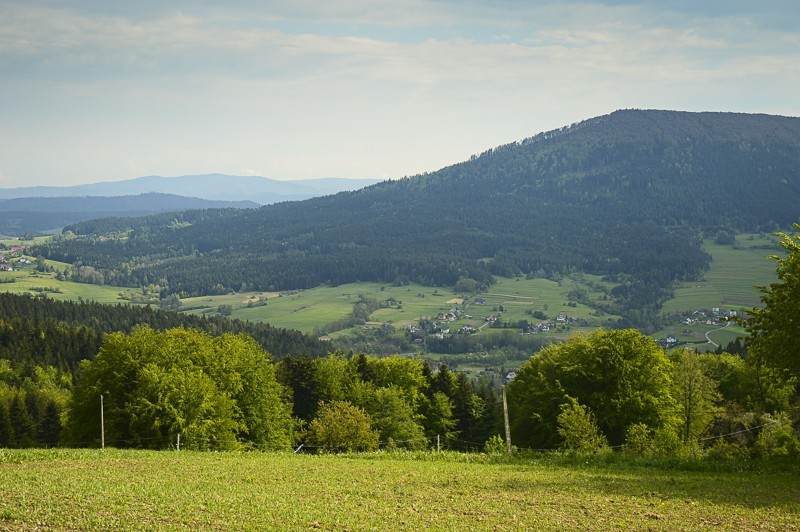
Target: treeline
(43, 343)
(20, 216)
(224, 392)
(61, 333)
(591, 393)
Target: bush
(638, 440)
(777, 439)
(667, 443)
(727, 451)
(578, 427)
(495, 445)
(342, 427)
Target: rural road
(715, 330)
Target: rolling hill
(627, 195)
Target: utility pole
(102, 425)
(505, 416)
(178, 446)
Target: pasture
(30, 281)
(307, 309)
(734, 274)
(135, 490)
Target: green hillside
(627, 196)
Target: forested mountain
(23, 215)
(627, 195)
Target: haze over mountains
(34, 215)
(628, 196)
(220, 187)
(43, 209)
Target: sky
(111, 90)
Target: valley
(388, 317)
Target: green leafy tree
(218, 392)
(695, 392)
(621, 375)
(774, 328)
(342, 427)
(438, 417)
(394, 418)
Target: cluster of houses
(451, 315)
(545, 326)
(454, 314)
(712, 317)
(6, 255)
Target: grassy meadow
(112, 489)
(28, 280)
(306, 309)
(734, 274)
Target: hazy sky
(108, 90)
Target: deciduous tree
(775, 329)
(622, 376)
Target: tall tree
(22, 423)
(695, 392)
(622, 376)
(775, 329)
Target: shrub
(638, 440)
(342, 427)
(495, 445)
(578, 427)
(777, 439)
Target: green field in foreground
(66, 489)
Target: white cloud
(356, 88)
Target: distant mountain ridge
(219, 187)
(34, 215)
(627, 196)
(150, 202)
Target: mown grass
(66, 489)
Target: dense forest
(627, 196)
(62, 333)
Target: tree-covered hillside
(38, 331)
(625, 195)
